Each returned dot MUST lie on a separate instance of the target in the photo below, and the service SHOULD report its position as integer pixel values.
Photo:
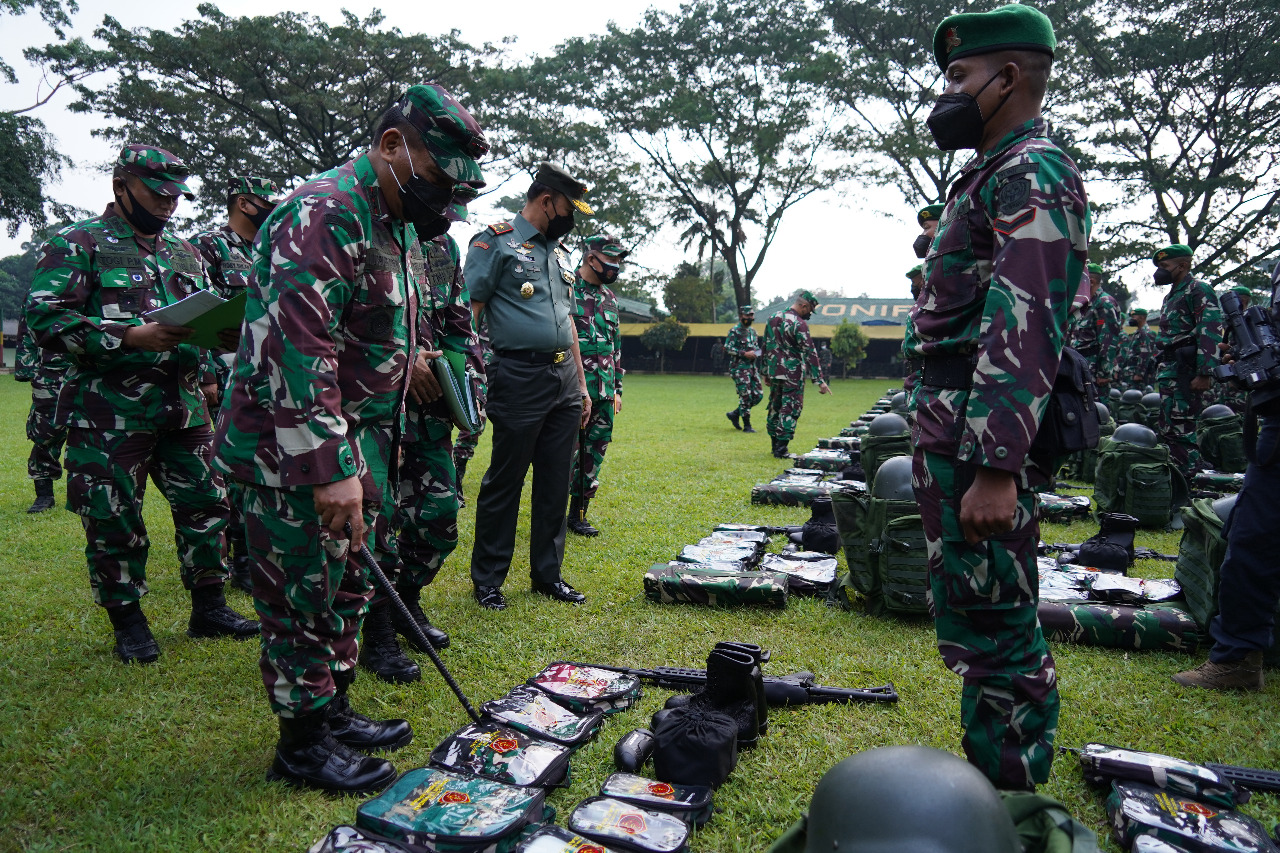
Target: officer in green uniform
(134, 398)
(521, 282)
(595, 315)
(742, 345)
(1190, 331)
(1139, 353)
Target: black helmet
(1135, 434)
(1217, 410)
(1222, 507)
(899, 402)
(888, 424)
(1151, 401)
(908, 798)
(1133, 395)
(1114, 394)
(1104, 414)
(893, 480)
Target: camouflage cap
(1142, 312)
(1177, 250)
(463, 195)
(1096, 269)
(1241, 290)
(746, 309)
(158, 169)
(264, 188)
(807, 296)
(929, 213)
(551, 175)
(453, 137)
(1016, 26)
(918, 269)
(607, 245)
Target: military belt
(531, 357)
(948, 371)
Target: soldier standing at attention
(521, 281)
(46, 370)
(329, 354)
(133, 402)
(225, 251)
(788, 354)
(1096, 330)
(595, 314)
(990, 325)
(1190, 331)
(743, 347)
(1136, 364)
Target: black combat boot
(211, 617)
(780, 449)
(762, 703)
(746, 423)
(44, 495)
(411, 595)
(358, 731)
(733, 418)
(134, 641)
(379, 651)
(460, 466)
(308, 755)
(731, 689)
(578, 518)
(242, 574)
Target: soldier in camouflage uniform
(1190, 331)
(1139, 354)
(46, 370)
(1096, 331)
(225, 251)
(788, 354)
(990, 325)
(743, 347)
(595, 314)
(316, 418)
(133, 402)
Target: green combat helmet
(893, 480)
(1114, 394)
(1135, 434)
(898, 403)
(908, 798)
(888, 424)
(1151, 401)
(1133, 395)
(1104, 414)
(1217, 410)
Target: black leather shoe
(307, 755)
(581, 528)
(560, 591)
(379, 651)
(733, 418)
(359, 732)
(211, 617)
(491, 597)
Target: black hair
(537, 189)
(391, 119)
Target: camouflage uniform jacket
(322, 374)
(788, 349)
(1139, 355)
(741, 339)
(595, 313)
(226, 259)
(999, 282)
(33, 363)
(93, 281)
(1191, 315)
(445, 319)
(1098, 330)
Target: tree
(849, 345)
(281, 96)
(670, 334)
(689, 297)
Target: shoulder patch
(501, 227)
(480, 244)
(1012, 196)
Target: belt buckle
(558, 357)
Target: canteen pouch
(1070, 423)
(557, 839)
(587, 688)
(690, 803)
(535, 713)
(715, 587)
(503, 754)
(453, 813)
(1135, 809)
(625, 827)
(1221, 443)
(348, 839)
(1104, 764)
(695, 746)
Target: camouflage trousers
(106, 481)
(427, 515)
(1177, 426)
(750, 392)
(46, 437)
(599, 434)
(311, 592)
(785, 402)
(983, 598)
(236, 544)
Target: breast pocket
(952, 279)
(124, 292)
(377, 313)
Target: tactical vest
(885, 548)
(1221, 442)
(875, 449)
(1139, 481)
(1131, 413)
(1083, 466)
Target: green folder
(451, 373)
(228, 315)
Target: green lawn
(98, 756)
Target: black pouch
(504, 755)
(536, 713)
(1103, 764)
(695, 747)
(690, 803)
(819, 532)
(584, 688)
(1070, 421)
(1135, 810)
(1111, 548)
(623, 826)
(348, 839)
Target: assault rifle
(798, 688)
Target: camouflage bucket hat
(159, 170)
(453, 137)
(607, 245)
(264, 188)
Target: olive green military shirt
(526, 284)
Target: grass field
(98, 756)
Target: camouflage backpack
(1139, 481)
(1221, 441)
(1083, 465)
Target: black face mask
(422, 203)
(921, 245)
(558, 226)
(956, 120)
(142, 220)
(1162, 277)
(259, 214)
(608, 273)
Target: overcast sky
(852, 239)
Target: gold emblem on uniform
(526, 290)
(567, 276)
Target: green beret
(1177, 250)
(1241, 290)
(448, 131)
(1141, 311)
(161, 171)
(929, 212)
(1012, 27)
(918, 269)
(1096, 269)
(807, 296)
(265, 188)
